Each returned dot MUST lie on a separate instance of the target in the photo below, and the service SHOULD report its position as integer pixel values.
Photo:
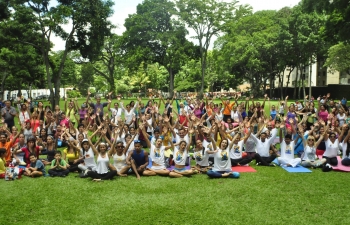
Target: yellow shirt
(2, 166)
(70, 156)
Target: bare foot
(122, 175)
(225, 174)
(97, 180)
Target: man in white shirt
(263, 157)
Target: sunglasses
(311, 139)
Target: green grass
(269, 196)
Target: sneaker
(234, 175)
(245, 165)
(272, 165)
(258, 163)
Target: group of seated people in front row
(223, 136)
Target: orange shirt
(209, 110)
(228, 108)
(7, 146)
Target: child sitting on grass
(58, 166)
(36, 167)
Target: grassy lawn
(269, 196)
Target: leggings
(333, 161)
(345, 161)
(73, 167)
(106, 176)
(58, 173)
(241, 161)
(264, 161)
(218, 174)
(251, 154)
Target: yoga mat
(298, 169)
(275, 161)
(340, 167)
(172, 167)
(243, 169)
(149, 162)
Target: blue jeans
(218, 174)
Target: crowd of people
(104, 140)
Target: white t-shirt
(250, 145)
(281, 109)
(341, 119)
(236, 150)
(202, 157)
(234, 115)
(23, 116)
(263, 148)
(89, 159)
(149, 129)
(102, 164)
(331, 148)
(287, 151)
(222, 161)
(119, 162)
(345, 146)
(116, 113)
(309, 154)
(157, 155)
(180, 157)
(185, 138)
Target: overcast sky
(123, 8)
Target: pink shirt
(64, 122)
(323, 115)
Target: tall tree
(154, 36)
(87, 22)
(110, 59)
(249, 49)
(207, 18)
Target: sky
(123, 8)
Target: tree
(339, 57)
(110, 58)
(89, 26)
(154, 36)
(249, 49)
(207, 18)
(337, 25)
(86, 78)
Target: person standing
(9, 113)
(98, 107)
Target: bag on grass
(13, 173)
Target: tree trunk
(281, 84)
(171, 82)
(2, 90)
(288, 80)
(310, 75)
(203, 63)
(271, 85)
(296, 84)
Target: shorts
(157, 168)
(180, 169)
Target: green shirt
(62, 163)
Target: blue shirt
(38, 165)
(98, 106)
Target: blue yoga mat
(298, 169)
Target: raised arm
(142, 127)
